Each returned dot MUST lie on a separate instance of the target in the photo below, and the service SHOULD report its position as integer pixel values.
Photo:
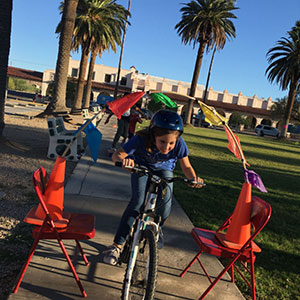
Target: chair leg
(62, 246)
(230, 265)
(82, 253)
(190, 264)
(252, 276)
(31, 252)
(232, 274)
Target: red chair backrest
(260, 214)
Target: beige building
(104, 81)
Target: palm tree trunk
(87, 94)
(208, 75)
(58, 103)
(194, 81)
(121, 54)
(5, 30)
(76, 108)
(289, 107)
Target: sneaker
(111, 255)
(161, 240)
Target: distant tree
(58, 101)
(278, 109)
(237, 119)
(207, 23)
(284, 69)
(5, 31)
(19, 84)
(11, 84)
(70, 92)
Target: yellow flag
(212, 116)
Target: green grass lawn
(278, 164)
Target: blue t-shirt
(136, 149)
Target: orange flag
(234, 145)
(119, 106)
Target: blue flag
(94, 137)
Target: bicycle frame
(143, 222)
(147, 218)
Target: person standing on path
(123, 126)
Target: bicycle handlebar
(141, 169)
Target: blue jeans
(138, 187)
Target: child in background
(158, 147)
(134, 118)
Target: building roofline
(24, 74)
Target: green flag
(160, 97)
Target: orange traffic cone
(54, 193)
(239, 230)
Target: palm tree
(284, 69)
(98, 26)
(5, 30)
(279, 107)
(217, 47)
(121, 53)
(109, 36)
(207, 23)
(58, 102)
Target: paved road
(23, 107)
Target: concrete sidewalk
(104, 190)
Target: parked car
(262, 130)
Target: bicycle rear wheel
(143, 283)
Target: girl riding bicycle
(157, 147)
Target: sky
(153, 46)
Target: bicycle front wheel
(143, 282)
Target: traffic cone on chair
(239, 229)
(54, 193)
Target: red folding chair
(67, 226)
(209, 243)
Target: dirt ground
(23, 149)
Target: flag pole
(229, 130)
(78, 133)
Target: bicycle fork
(133, 255)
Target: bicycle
(140, 248)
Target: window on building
(107, 78)
(159, 86)
(52, 76)
(174, 88)
(93, 76)
(74, 72)
(123, 81)
(264, 104)
(250, 102)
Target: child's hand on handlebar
(127, 163)
(197, 183)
